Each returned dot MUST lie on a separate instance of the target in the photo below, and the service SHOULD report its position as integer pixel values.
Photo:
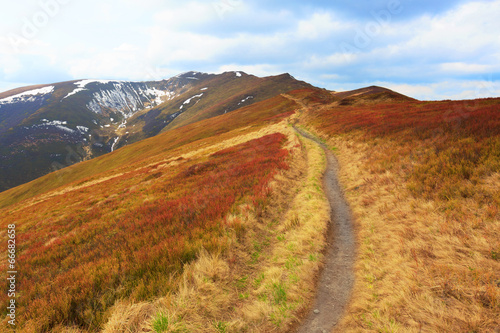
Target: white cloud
(463, 32)
(464, 68)
(130, 40)
(456, 89)
(10, 65)
(186, 16)
(320, 25)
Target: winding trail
(337, 277)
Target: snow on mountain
(84, 83)
(28, 96)
(81, 86)
(187, 101)
(157, 95)
(115, 140)
(127, 97)
(77, 90)
(82, 129)
(124, 97)
(54, 123)
(245, 99)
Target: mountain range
(210, 203)
(45, 128)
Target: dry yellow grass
(422, 266)
(265, 279)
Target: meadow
(423, 181)
(125, 237)
(126, 231)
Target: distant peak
(189, 74)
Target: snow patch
(65, 129)
(238, 74)
(83, 83)
(27, 96)
(77, 90)
(245, 99)
(157, 95)
(187, 101)
(203, 89)
(114, 143)
(81, 86)
(82, 129)
(54, 122)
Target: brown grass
(423, 265)
(265, 279)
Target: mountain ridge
(47, 127)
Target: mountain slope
(49, 127)
(220, 224)
(123, 231)
(218, 95)
(251, 117)
(422, 179)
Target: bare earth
(337, 278)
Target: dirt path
(337, 278)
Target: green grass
(161, 323)
(220, 326)
(279, 293)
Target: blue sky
(427, 49)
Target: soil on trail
(337, 277)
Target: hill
(422, 180)
(105, 241)
(219, 223)
(48, 127)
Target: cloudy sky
(449, 50)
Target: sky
(426, 49)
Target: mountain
(48, 127)
(222, 224)
(157, 202)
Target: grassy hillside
(126, 231)
(125, 237)
(252, 118)
(219, 225)
(78, 120)
(422, 179)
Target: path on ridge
(337, 277)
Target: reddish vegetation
(478, 117)
(175, 141)
(451, 142)
(423, 180)
(128, 236)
